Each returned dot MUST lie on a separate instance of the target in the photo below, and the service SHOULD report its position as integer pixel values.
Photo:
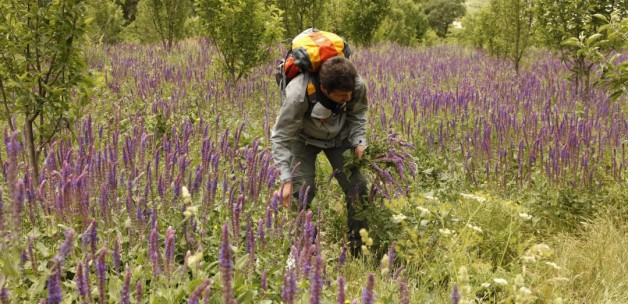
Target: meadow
(487, 186)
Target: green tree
(441, 13)
(107, 21)
(300, 14)
(43, 79)
(241, 30)
(363, 18)
(560, 20)
(129, 9)
(406, 24)
(506, 28)
(604, 49)
(165, 19)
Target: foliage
(363, 17)
(164, 19)
(441, 13)
(560, 20)
(506, 28)
(404, 25)
(106, 21)
(605, 48)
(299, 15)
(43, 77)
(241, 30)
(129, 9)
(164, 178)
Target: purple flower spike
(1, 211)
(404, 295)
(367, 294)
(125, 294)
(455, 294)
(264, 283)
(343, 256)
(196, 294)
(317, 281)
(54, 290)
(4, 295)
(226, 266)
(101, 275)
(117, 262)
(206, 294)
(66, 247)
(81, 288)
(169, 248)
(139, 292)
(341, 291)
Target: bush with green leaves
(242, 31)
(106, 21)
(406, 24)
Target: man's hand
(359, 151)
(285, 193)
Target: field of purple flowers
(163, 192)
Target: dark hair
(338, 73)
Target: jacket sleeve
(356, 115)
(289, 122)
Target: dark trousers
(354, 187)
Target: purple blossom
(317, 281)
(288, 290)
(54, 289)
(196, 294)
(263, 282)
(101, 275)
(1, 210)
(341, 291)
(116, 254)
(206, 295)
(367, 293)
(226, 266)
(66, 247)
(139, 292)
(153, 251)
(4, 295)
(455, 294)
(169, 248)
(404, 295)
(79, 279)
(391, 256)
(343, 257)
(125, 294)
(90, 236)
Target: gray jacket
(295, 123)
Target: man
(323, 112)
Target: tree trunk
(33, 156)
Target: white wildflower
(424, 222)
(528, 258)
(476, 228)
(430, 195)
(473, 196)
(525, 291)
(500, 281)
(290, 262)
(553, 265)
(486, 285)
(398, 218)
(424, 211)
(445, 231)
(525, 216)
(185, 194)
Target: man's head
(337, 79)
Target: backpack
(308, 51)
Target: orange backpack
(309, 50)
